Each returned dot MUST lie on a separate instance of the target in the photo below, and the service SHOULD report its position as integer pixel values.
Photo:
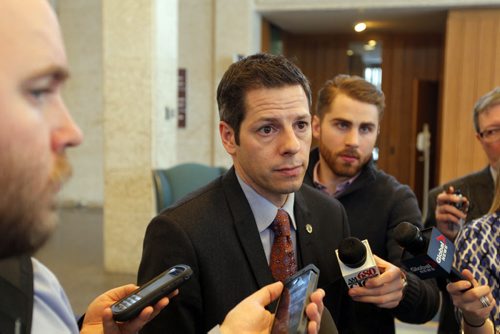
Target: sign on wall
(181, 98)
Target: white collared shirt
(264, 213)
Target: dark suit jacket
(213, 231)
(479, 189)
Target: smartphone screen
(290, 316)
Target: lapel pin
(309, 228)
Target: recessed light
(359, 27)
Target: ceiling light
(350, 53)
(372, 42)
(359, 27)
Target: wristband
(474, 326)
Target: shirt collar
(263, 210)
(341, 187)
(493, 172)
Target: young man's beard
(337, 167)
(27, 218)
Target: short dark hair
(256, 71)
(485, 102)
(354, 87)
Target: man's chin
(346, 171)
(31, 237)
(43, 231)
(26, 244)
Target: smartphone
(130, 306)
(460, 205)
(290, 316)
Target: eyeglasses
(490, 135)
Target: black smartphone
(130, 306)
(290, 316)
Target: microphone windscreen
(352, 252)
(410, 238)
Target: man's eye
(39, 94)
(493, 131)
(302, 125)
(266, 129)
(366, 129)
(342, 125)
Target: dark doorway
(425, 106)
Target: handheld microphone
(356, 262)
(427, 253)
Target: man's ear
(316, 127)
(228, 138)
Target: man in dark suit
(477, 191)
(346, 125)
(224, 230)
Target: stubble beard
(28, 217)
(339, 168)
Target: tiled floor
(75, 253)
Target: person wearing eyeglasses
(449, 210)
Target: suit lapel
(246, 229)
(305, 230)
(483, 195)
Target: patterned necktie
(282, 263)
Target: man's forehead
(29, 32)
(491, 114)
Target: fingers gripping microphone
(356, 261)
(427, 253)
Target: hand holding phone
(290, 314)
(462, 204)
(162, 285)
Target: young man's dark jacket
(375, 203)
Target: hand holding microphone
(356, 262)
(475, 303)
(369, 278)
(428, 253)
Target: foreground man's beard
(27, 216)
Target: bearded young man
(346, 125)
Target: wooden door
(425, 106)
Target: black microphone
(356, 261)
(427, 253)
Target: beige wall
(81, 23)
(472, 67)
(140, 81)
(196, 25)
(211, 32)
(364, 4)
